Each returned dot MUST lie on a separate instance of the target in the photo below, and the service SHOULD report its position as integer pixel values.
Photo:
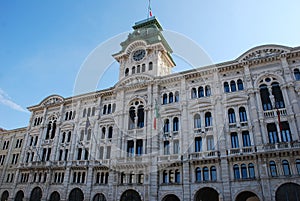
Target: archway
(55, 196)
(99, 197)
(19, 196)
(131, 195)
(36, 194)
(4, 196)
(171, 197)
(76, 195)
(247, 196)
(207, 194)
(288, 192)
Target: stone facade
(229, 131)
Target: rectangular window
(101, 153)
(272, 131)
(66, 154)
(176, 146)
(210, 143)
(166, 147)
(234, 140)
(130, 148)
(246, 139)
(198, 144)
(139, 147)
(108, 152)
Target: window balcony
(169, 158)
(204, 155)
(281, 145)
(273, 113)
(241, 151)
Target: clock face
(138, 55)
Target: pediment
(170, 110)
(204, 103)
(52, 100)
(236, 98)
(134, 80)
(262, 52)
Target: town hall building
(222, 132)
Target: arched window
(240, 85)
(126, 72)
(165, 99)
(273, 169)
(246, 139)
(84, 112)
(276, 91)
(53, 130)
(143, 67)
(165, 177)
(140, 114)
(114, 108)
(226, 87)
(171, 97)
(285, 132)
(197, 121)
(104, 109)
(138, 69)
(122, 178)
(200, 92)
(198, 144)
(93, 111)
(265, 97)
(166, 126)
(251, 170)
(166, 147)
(131, 118)
(139, 147)
(286, 168)
(213, 173)
(198, 174)
(298, 166)
(133, 70)
(205, 174)
(66, 117)
(150, 66)
(297, 74)
(48, 130)
(208, 119)
(177, 176)
(171, 176)
(232, 86)
(69, 136)
(207, 91)
(63, 137)
(89, 112)
(243, 114)
(244, 171)
(110, 132)
(70, 115)
(236, 171)
(272, 132)
(193, 93)
(231, 116)
(103, 133)
(89, 134)
(176, 96)
(109, 109)
(175, 124)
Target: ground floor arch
(247, 196)
(99, 197)
(55, 196)
(76, 195)
(36, 194)
(171, 197)
(207, 194)
(4, 196)
(19, 196)
(288, 192)
(131, 195)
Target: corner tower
(145, 51)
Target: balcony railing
(169, 158)
(282, 145)
(204, 154)
(242, 150)
(273, 113)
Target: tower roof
(148, 23)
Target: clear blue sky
(44, 43)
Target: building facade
(225, 132)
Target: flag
(156, 115)
(149, 8)
(279, 121)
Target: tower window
(126, 72)
(150, 66)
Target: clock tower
(145, 51)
